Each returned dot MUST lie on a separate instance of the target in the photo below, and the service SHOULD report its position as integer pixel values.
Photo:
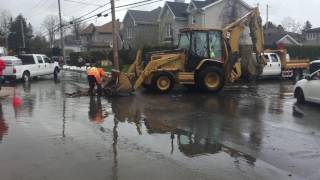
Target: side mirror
(308, 77)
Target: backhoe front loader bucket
(119, 86)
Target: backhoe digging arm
(232, 34)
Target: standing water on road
(244, 132)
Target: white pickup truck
(279, 64)
(27, 66)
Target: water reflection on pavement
(246, 132)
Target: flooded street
(254, 131)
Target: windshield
(184, 42)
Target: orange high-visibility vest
(93, 71)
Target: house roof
(145, 17)
(88, 30)
(179, 9)
(201, 4)
(107, 28)
(313, 30)
(275, 37)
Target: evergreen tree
(307, 26)
(15, 36)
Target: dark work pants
(92, 82)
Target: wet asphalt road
(251, 131)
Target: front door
(199, 50)
(267, 70)
(275, 64)
(49, 66)
(41, 66)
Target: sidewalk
(6, 91)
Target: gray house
(97, 37)
(140, 28)
(312, 37)
(214, 14)
(172, 18)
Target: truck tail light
(14, 70)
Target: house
(172, 18)
(312, 37)
(71, 44)
(276, 36)
(98, 37)
(140, 28)
(214, 14)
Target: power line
(84, 3)
(131, 5)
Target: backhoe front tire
(162, 82)
(211, 79)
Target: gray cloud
(36, 10)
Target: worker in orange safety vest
(95, 77)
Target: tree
(307, 26)
(291, 25)
(5, 17)
(269, 25)
(16, 33)
(51, 24)
(39, 45)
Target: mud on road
(254, 131)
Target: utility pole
(22, 34)
(114, 38)
(61, 33)
(267, 23)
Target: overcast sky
(36, 10)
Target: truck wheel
(162, 82)
(211, 79)
(300, 96)
(26, 77)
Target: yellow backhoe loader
(205, 59)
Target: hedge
(302, 52)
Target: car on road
(308, 89)
(27, 66)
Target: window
(26, 59)
(129, 32)
(266, 57)
(184, 42)
(215, 45)
(193, 19)
(200, 45)
(274, 58)
(169, 30)
(46, 60)
(39, 58)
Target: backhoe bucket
(120, 86)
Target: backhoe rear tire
(162, 82)
(211, 79)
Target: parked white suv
(28, 66)
(308, 89)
